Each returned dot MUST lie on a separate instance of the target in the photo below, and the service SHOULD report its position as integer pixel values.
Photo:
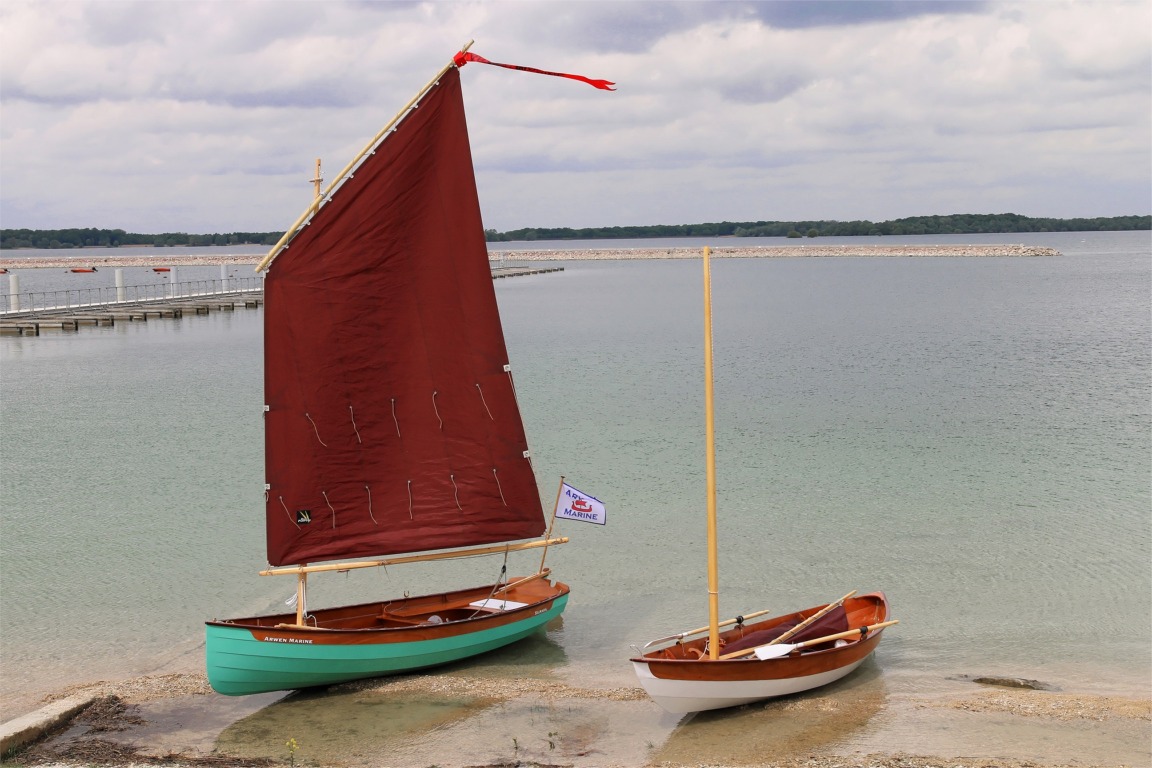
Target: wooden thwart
(403, 612)
(698, 630)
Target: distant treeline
(958, 224)
(116, 238)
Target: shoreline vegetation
(955, 224)
(497, 258)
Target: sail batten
(369, 375)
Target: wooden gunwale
(368, 623)
(680, 662)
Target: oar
(765, 652)
(814, 617)
(698, 630)
(792, 632)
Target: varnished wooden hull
(681, 683)
(261, 654)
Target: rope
(290, 518)
(325, 495)
(316, 430)
(354, 427)
(394, 417)
(498, 486)
(456, 492)
(370, 505)
(485, 402)
(502, 577)
(434, 393)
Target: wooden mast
(302, 576)
(710, 443)
(317, 180)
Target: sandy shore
(65, 261)
(466, 720)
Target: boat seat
(496, 604)
(391, 618)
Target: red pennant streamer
(463, 58)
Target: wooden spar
(814, 617)
(552, 522)
(414, 558)
(301, 596)
(710, 441)
(315, 204)
(539, 575)
(861, 632)
(317, 180)
(698, 630)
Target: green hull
(239, 663)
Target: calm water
(972, 436)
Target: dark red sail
(392, 424)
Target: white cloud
(207, 116)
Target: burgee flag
(574, 505)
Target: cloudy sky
(207, 116)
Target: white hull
(683, 696)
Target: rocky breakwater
(782, 252)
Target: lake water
(972, 436)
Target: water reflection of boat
(779, 728)
(407, 715)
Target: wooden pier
(517, 271)
(34, 323)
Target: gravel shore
(104, 734)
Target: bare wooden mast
(710, 440)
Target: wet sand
(478, 718)
(590, 254)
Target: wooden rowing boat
(679, 676)
(770, 657)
